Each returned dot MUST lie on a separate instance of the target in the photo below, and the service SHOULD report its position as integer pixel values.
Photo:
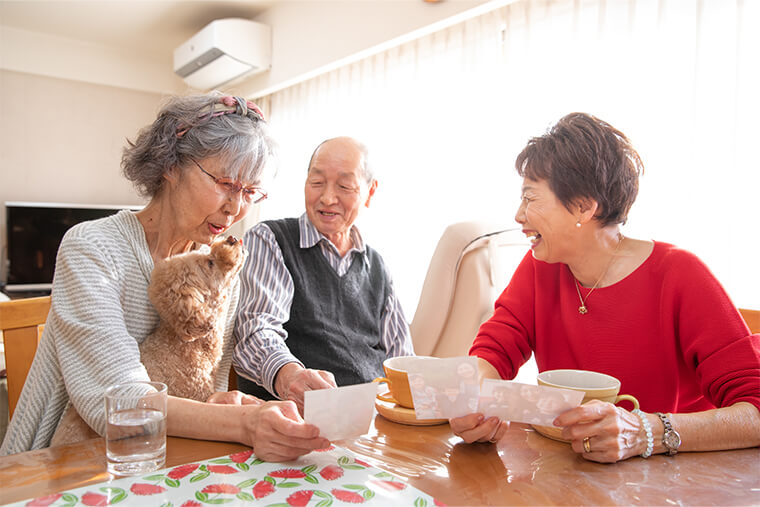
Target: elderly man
(317, 305)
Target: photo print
(512, 401)
(355, 404)
(445, 387)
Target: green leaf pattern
(203, 487)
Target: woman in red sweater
(587, 297)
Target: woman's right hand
(476, 428)
(277, 432)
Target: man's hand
(293, 380)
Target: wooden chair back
(22, 322)
(752, 318)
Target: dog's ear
(193, 318)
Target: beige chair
(21, 323)
(471, 265)
(752, 318)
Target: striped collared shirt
(266, 294)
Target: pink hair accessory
(238, 105)
(230, 105)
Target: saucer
(403, 415)
(550, 432)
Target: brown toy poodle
(189, 292)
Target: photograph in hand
(444, 387)
(512, 401)
(341, 412)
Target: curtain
(445, 116)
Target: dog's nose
(231, 240)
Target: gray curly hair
(196, 127)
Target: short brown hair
(584, 157)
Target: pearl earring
(578, 224)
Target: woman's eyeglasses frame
(228, 186)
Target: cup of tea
(395, 369)
(594, 385)
(136, 427)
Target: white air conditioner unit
(223, 50)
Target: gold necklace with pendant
(583, 309)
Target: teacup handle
(628, 397)
(385, 397)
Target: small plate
(550, 432)
(403, 415)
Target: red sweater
(668, 331)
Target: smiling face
(548, 224)
(466, 371)
(336, 190)
(201, 211)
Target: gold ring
(587, 444)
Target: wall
(61, 141)
(62, 57)
(309, 35)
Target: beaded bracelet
(647, 430)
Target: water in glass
(136, 428)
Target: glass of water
(136, 427)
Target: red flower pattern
(241, 457)
(331, 472)
(140, 488)
(388, 485)
(221, 469)
(44, 500)
(287, 473)
(347, 496)
(299, 498)
(262, 489)
(91, 499)
(230, 489)
(182, 471)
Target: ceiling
(146, 27)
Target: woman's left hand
(233, 398)
(613, 433)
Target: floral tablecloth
(333, 476)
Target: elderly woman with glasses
(201, 164)
(646, 312)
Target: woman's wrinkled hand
(613, 433)
(277, 432)
(233, 398)
(476, 428)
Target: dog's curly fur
(189, 292)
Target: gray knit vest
(335, 322)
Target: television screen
(35, 231)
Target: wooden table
(524, 468)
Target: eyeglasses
(228, 186)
